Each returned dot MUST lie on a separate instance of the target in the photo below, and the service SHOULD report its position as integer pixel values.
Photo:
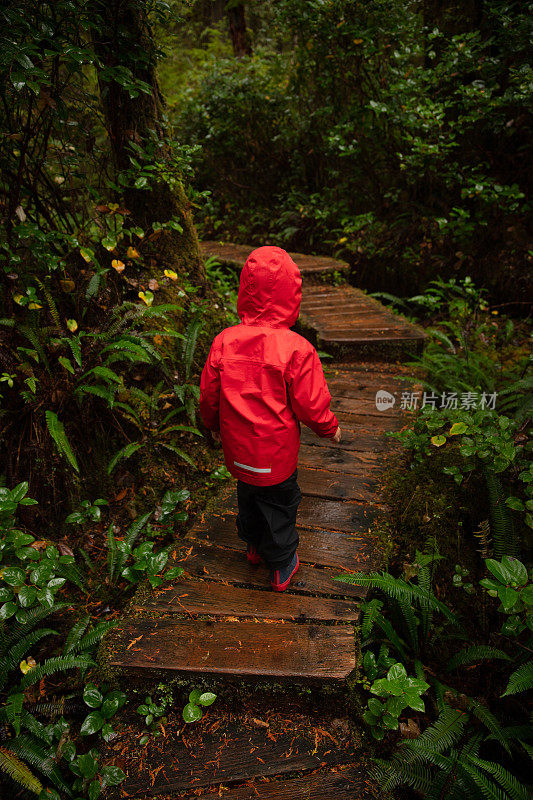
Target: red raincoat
(261, 378)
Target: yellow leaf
(342, 240)
(358, 41)
(169, 273)
(67, 285)
(147, 297)
(438, 441)
(27, 665)
(118, 265)
(17, 298)
(33, 306)
(86, 255)
(132, 253)
(72, 325)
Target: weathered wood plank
(229, 757)
(336, 459)
(222, 600)
(220, 564)
(352, 439)
(319, 547)
(348, 784)
(354, 405)
(236, 648)
(336, 485)
(330, 514)
(238, 253)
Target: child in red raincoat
(259, 382)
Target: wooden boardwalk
(222, 619)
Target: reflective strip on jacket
(261, 379)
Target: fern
(371, 611)
(75, 346)
(111, 553)
(57, 432)
(189, 343)
(93, 637)
(18, 651)
(75, 634)
(123, 453)
(502, 526)
(488, 719)
(32, 617)
(398, 589)
(520, 680)
(504, 778)
(179, 452)
(53, 665)
(470, 655)
(32, 752)
(443, 734)
(19, 772)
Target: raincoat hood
(270, 289)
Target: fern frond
(17, 652)
(112, 552)
(93, 637)
(501, 520)
(371, 611)
(520, 680)
(479, 652)
(53, 665)
(75, 634)
(32, 752)
(443, 734)
(509, 782)
(418, 777)
(75, 346)
(19, 772)
(98, 391)
(9, 638)
(488, 719)
(398, 589)
(189, 343)
(123, 453)
(57, 432)
(179, 452)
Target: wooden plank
(356, 336)
(371, 423)
(348, 784)
(227, 757)
(352, 439)
(357, 405)
(319, 547)
(336, 485)
(238, 253)
(219, 564)
(276, 650)
(330, 514)
(221, 600)
(336, 459)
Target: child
(259, 382)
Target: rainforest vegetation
(395, 136)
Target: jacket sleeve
(210, 392)
(309, 393)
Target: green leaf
(95, 789)
(191, 713)
(195, 696)
(112, 776)
(92, 723)
(207, 699)
(13, 576)
(124, 453)
(7, 610)
(458, 428)
(438, 441)
(27, 596)
(92, 696)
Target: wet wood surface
(348, 784)
(305, 650)
(226, 600)
(236, 755)
(221, 564)
(238, 253)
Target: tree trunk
(240, 37)
(124, 43)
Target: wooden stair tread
(362, 441)
(238, 253)
(222, 753)
(317, 546)
(225, 600)
(336, 485)
(346, 784)
(273, 649)
(220, 564)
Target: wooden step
(218, 753)
(317, 546)
(220, 564)
(352, 439)
(345, 784)
(224, 600)
(336, 485)
(237, 254)
(273, 649)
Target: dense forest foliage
(394, 135)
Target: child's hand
(337, 436)
(216, 436)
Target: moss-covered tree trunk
(125, 46)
